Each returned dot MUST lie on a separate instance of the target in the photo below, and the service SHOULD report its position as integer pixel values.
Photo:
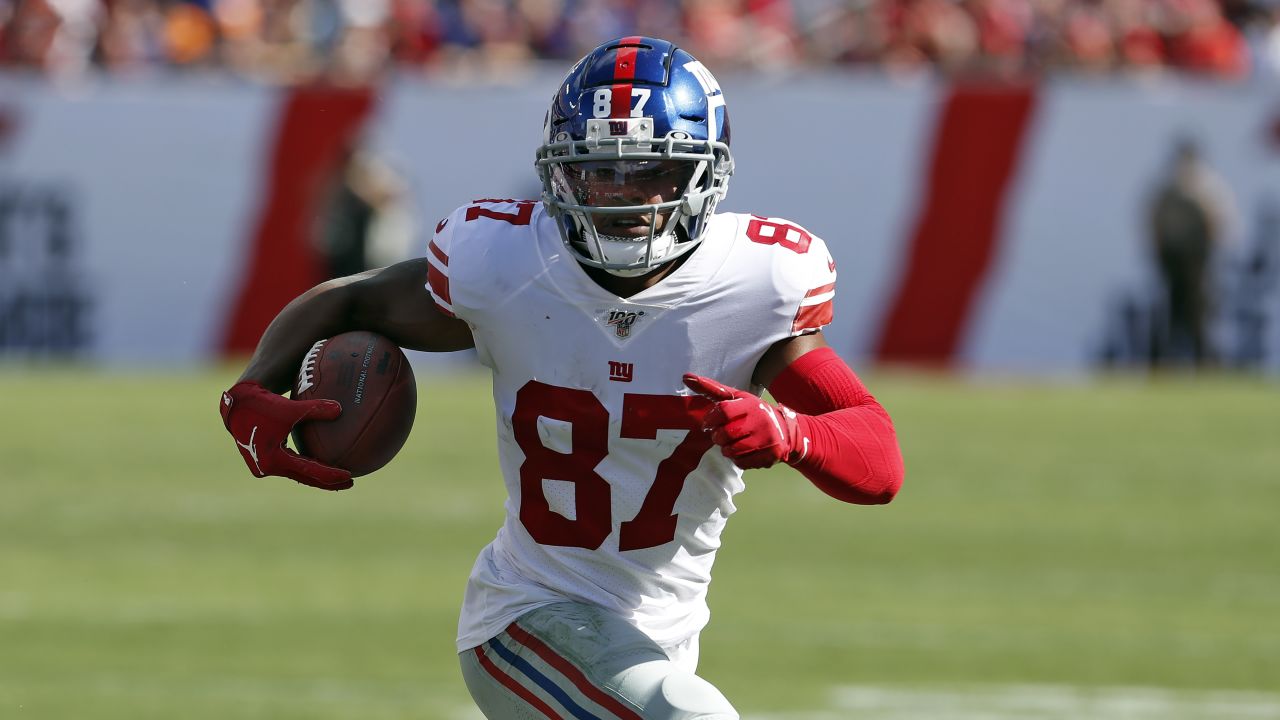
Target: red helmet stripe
(624, 70)
(624, 63)
(620, 104)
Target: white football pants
(572, 661)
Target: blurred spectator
(1004, 27)
(352, 41)
(189, 34)
(1190, 216)
(365, 222)
(1138, 42)
(1200, 39)
(130, 39)
(1088, 38)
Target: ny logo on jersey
(620, 371)
(622, 320)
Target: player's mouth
(627, 226)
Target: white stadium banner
(982, 228)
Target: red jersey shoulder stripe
(438, 282)
(438, 278)
(435, 250)
(813, 317)
(820, 290)
(816, 309)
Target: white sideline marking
(1039, 702)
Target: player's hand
(260, 421)
(750, 432)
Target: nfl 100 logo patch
(622, 321)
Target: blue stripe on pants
(543, 681)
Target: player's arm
(390, 301)
(828, 427)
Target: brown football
(372, 379)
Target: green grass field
(1085, 538)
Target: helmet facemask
(607, 179)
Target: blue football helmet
(637, 137)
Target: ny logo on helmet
(715, 97)
(622, 320)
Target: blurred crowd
(355, 40)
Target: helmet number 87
(603, 105)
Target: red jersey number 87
(642, 417)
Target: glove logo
(258, 409)
(777, 424)
(253, 451)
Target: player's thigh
(573, 660)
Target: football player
(630, 329)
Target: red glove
(260, 420)
(750, 432)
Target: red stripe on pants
(975, 154)
(510, 683)
(316, 128)
(574, 675)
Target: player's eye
(646, 174)
(677, 174)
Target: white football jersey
(615, 496)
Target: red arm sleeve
(853, 452)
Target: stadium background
(1087, 528)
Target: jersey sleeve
(439, 249)
(471, 251)
(804, 273)
(817, 307)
